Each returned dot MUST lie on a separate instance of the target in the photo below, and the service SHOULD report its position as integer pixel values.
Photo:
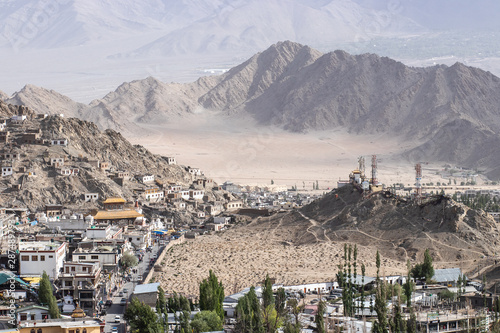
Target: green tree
(272, 182)
(408, 286)
(142, 318)
(248, 314)
(46, 296)
(44, 289)
(270, 316)
(295, 309)
(185, 315)
(212, 295)
(206, 321)
(161, 307)
(411, 323)
(397, 323)
(280, 302)
(319, 317)
(129, 260)
(427, 268)
(424, 270)
(53, 308)
(380, 306)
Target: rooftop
(39, 246)
(116, 214)
(446, 274)
(146, 288)
(114, 200)
(63, 323)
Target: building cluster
(470, 311)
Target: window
(32, 330)
(94, 257)
(82, 257)
(25, 258)
(39, 330)
(68, 283)
(73, 268)
(51, 256)
(84, 330)
(84, 269)
(33, 316)
(24, 316)
(34, 258)
(42, 258)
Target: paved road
(116, 308)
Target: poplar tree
(212, 295)
(319, 319)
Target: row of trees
(253, 316)
(143, 319)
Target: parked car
(120, 294)
(125, 290)
(117, 319)
(109, 302)
(123, 301)
(114, 329)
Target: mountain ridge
(297, 88)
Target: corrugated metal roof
(446, 274)
(146, 288)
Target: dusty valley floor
(250, 155)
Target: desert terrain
(244, 153)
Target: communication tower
(418, 182)
(374, 170)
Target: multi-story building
(37, 257)
(81, 281)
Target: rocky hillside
(35, 183)
(401, 230)
(446, 114)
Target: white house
(195, 171)
(140, 240)
(171, 160)
(65, 171)
(57, 161)
(18, 118)
(32, 312)
(185, 195)
(59, 142)
(7, 170)
(234, 205)
(91, 197)
(37, 257)
(146, 178)
(105, 255)
(222, 220)
(153, 194)
(196, 194)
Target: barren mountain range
(450, 114)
